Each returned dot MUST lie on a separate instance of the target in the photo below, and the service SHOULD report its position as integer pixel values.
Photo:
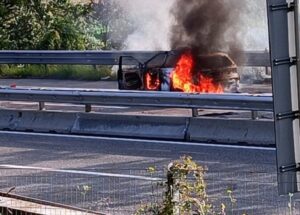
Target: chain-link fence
(111, 193)
(249, 193)
(125, 191)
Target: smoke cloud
(207, 26)
(255, 25)
(152, 22)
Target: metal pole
(173, 193)
(282, 49)
(88, 108)
(254, 115)
(41, 105)
(195, 112)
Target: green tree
(44, 24)
(109, 24)
(18, 26)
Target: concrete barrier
(211, 130)
(234, 131)
(173, 128)
(9, 119)
(37, 121)
(40, 121)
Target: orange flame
(184, 80)
(152, 83)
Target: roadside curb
(173, 128)
(204, 129)
(233, 131)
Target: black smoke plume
(207, 26)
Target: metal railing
(137, 98)
(252, 58)
(126, 98)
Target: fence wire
(112, 195)
(242, 192)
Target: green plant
(185, 191)
(84, 189)
(290, 204)
(73, 72)
(108, 24)
(36, 24)
(232, 200)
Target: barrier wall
(211, 130)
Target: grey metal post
(88, 108)
(254, 115)
(173, 190)
(195, 112)
(41, 105)
(282, 61)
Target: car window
(207, 62)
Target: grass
(62, 72)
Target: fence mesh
(242, 192)
(113, 195)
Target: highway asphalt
(249, 171)
(92, 183)
(79, 152)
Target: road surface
(249, 172)
(96, 173)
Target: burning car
(212, 73)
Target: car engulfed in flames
(212, 73)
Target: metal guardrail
(251, 58)
(256, 59)
(127, 98)
(137, 98)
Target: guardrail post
(254, 115)
(195, 112)
(88, 108)
(41, 105)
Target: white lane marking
(7, 166)
(208, 145)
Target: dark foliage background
(60, 25)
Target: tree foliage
(109, 24)
(62, 24)
(43, 24)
